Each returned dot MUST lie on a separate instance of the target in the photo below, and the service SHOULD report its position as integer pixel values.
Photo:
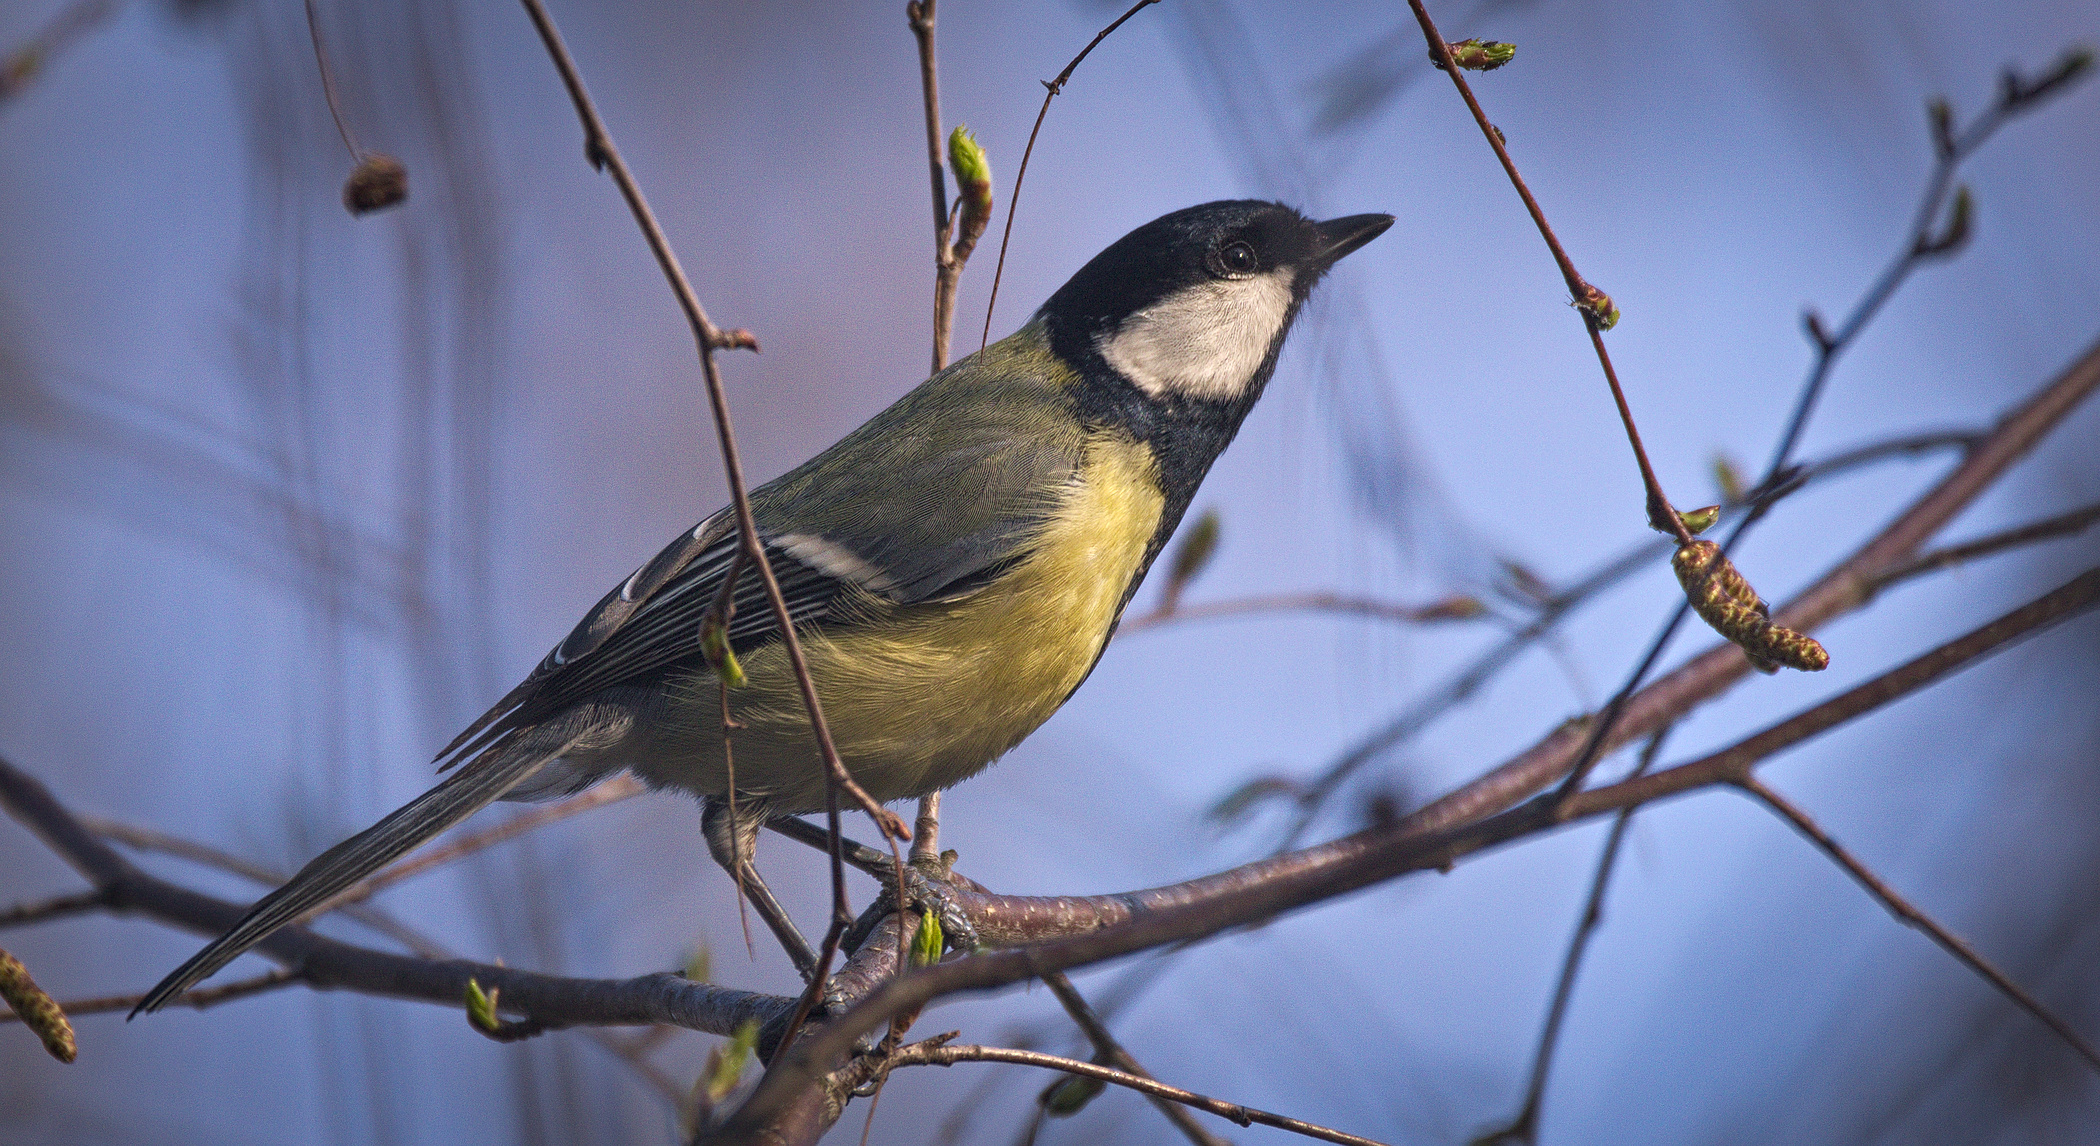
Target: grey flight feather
(459, 796)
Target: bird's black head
(1175, 328)
(1191, 308)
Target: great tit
(954, 567)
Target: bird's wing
(931, 498)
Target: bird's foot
(929, 887)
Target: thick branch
(1110, 926)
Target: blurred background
(289, 496)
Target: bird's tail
(462, 794)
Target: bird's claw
(928, 887)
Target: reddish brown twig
(1596, 308)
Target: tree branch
(1103, 927)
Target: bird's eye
(1237, 258)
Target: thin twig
(199, 999)
(947, 269)
(335, 109)
(1013, 200)
(1912, 917)
(56, 907)
(600, 150)
(920, 1054)
(1436, 612)
(1591, 303)
(1524, 1127)
(1107, 1049)
(2062, 525)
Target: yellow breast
(919, 697)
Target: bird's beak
(1340, 236)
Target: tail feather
(459, 796)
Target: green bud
(973, 178)
(926, 947)
(1478, 55)
(725, 1063)
(481, 1008)
(972, 170)
(1070, 1094)
(714, 644)
(699, 964)
(1597, 307)
(1197, 547)
(1700, 520)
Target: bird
(954, 568)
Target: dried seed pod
(378, 182)
(1724, 599)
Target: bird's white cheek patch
(1204, 341)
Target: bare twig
(1524, 1127)
(1013, 201)
(335, 107)
(1598, 312)
(947, 269)
(1111, 1052)
(1912, 917)
(200, 999)
(56, 907)
(1449, 609)
(921, 1054)
(2062, 525)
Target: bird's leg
(732, 844)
